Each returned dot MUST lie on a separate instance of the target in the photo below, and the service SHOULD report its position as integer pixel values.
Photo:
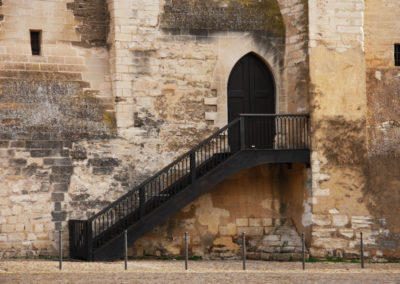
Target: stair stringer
(241, 160)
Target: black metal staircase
(247, 141)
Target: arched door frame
(228, 56)
(253, 61)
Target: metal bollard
(244, 250)
(362, 250)
(126, 248)
(60, 248)
(186, 251)
(303, 253)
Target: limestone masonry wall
(343, 41)
(122, 87)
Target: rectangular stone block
(104, 162)
(59, 216)
(19, 227)
(57, 197)
(3, 144)
(40, 153)
(103, 170)
(62, 170)
(388, 244)
(17, 162)
(268, 230)
(255, 222)
(251, 231)
(16, 236)
(340, 220)
(17, 144)
(359, 222)
(266, 222)
(60, 187)
(242, 222)
(55, 178)
(44, 144)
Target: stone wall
(120, 89)
(383, 120)
(123, 87)
(48, 103)
(256, 201)
(341, 207)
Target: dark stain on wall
(345, 141)
(43, 114)
(95, 19)
(231, 15)
(54, 105)
(383, 173)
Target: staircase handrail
(166, 168)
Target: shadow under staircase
(250, 140)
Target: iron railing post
(242, 134)
(193, 166)
(89, 241)
(142, 202)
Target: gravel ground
(144, 271)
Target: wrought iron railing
(249, 132)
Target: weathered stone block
(62, 170)
(3, 144)
(60, 178)
(57, 197)
(79, 153)
(17, 144)
(359, 222)
(59, 216)
(348, 233)
(60, 187)
(323, 233)
(104, 162)
(321, 220)
(388, 244)
(267, 222)
(16, 236)
(57, 161)
(340, 220)
(17, 162)
(44, 144)
(103, 170)
(251, 231)
(40, 153)
(271, 238)
(268, 230)
(242, 222)
(255, 222)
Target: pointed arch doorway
(251, 89)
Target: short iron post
(362, 250)
(60, 248)
(244, 250)
(303, 253)
(186, 251)
(126, 248)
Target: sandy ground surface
(216, 272)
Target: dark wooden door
(251, 89)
